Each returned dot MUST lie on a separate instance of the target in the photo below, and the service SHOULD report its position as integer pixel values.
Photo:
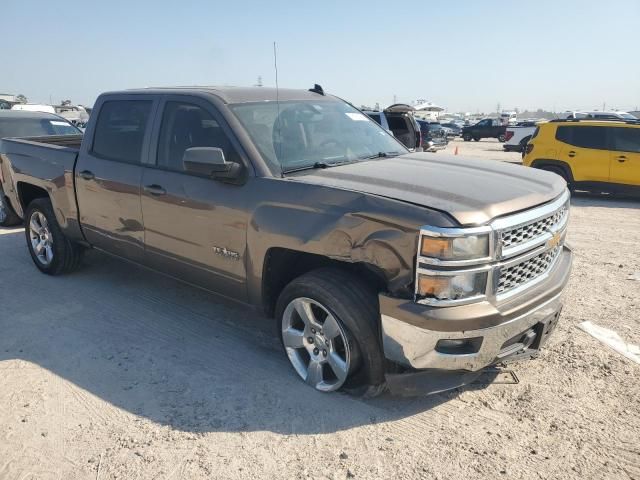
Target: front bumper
(419, 337)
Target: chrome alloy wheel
(41, 238)
(317, 344)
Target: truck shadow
(604, 200)
(167, 352)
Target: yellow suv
(601, 155)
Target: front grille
(524, 272)
(524, 233)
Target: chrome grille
(523, 233)
(524, 272)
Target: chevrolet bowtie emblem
(554, 241)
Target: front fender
(339, 224)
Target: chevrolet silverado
(376, 263)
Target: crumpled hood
(472, 191)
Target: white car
(517, 136)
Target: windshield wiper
(381, 155)
(314, 166)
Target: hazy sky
(464, 55)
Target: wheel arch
(28, 192)
(543, 162)
(283, 265)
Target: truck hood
(470, 190)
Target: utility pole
(395, 98)
(259, 84)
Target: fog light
(460, 346)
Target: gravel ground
(116, 372)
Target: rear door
(109, 171)
(625, 155)
(585, 150)
(194, 227)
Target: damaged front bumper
(454, 342)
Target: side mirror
(209, 161)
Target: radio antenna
(275, 66)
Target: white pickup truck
(517, 136)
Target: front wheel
(502, 138)
(50, 250)
(466, 137)
(327, 320)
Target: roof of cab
(237, 94)
(30, 115)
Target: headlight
(455, 248)
(457, 286)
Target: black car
(485, 128)
(433, 136)
(28, 124)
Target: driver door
(194, 226)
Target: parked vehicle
(27, 124)
(509, 118)
(379, 265)
(517, 136)
(595, 115)
(398, 120)
(485, 128)
(596, 155)
(34, 107)
(433, 139)
(454, 128)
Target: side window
(564, 134)
(626, 139)
(590, 137)
(185, 125)
(584, 137)
(120, 130)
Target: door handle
(622, 159)
(155, 189)
(87, 175)
(572, 154)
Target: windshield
(628, 116)
(35, 127)
(299, 134)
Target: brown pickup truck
(380, 266)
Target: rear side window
(120, 130)
(583, 136)
(626, 139)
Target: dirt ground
(116, 372)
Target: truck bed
(45, 163)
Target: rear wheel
(50, 250)
(327, 320)
(502, 137)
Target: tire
(57, 254)
(559, 171)
(354, 307)
(502, 138)
(466, 137)
(8, 216)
